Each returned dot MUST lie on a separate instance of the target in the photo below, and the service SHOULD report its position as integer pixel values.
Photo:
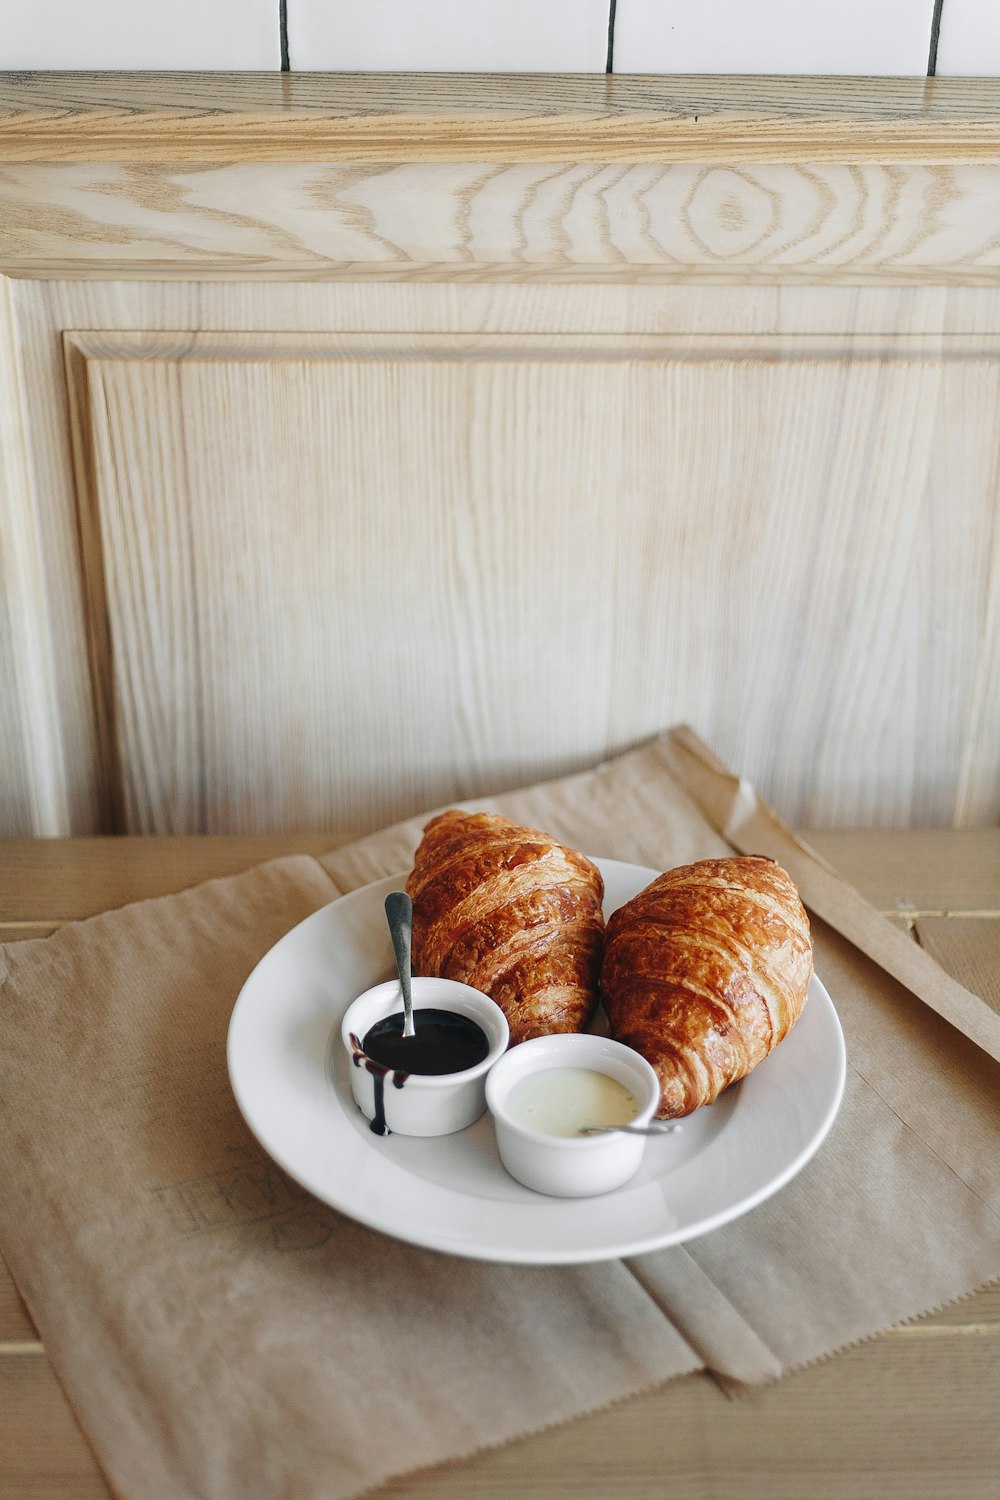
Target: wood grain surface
(909, 1415)
(16, 1326)
(47, 705)
(475, 117)
(67, 880)
(32, 777)
(397, 632)
(705, 220)
(967, 947)
(17, 813)
(945, 589)
(949, 870)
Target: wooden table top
(909, 1415)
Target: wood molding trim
(514, 178)
(680, 223)
(84, 348)
(233, 117)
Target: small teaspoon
(663, 1129)
(399, 915)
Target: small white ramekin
(571, 1166)
(426, 1104)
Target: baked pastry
(704, 972)
(511, 912)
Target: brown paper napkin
(220, 1333)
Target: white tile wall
(560, 36)
(969, 41)
(143, 34)
(774, 36)
(448, 36)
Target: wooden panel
(44, 309)
(400, 117)
(16, 1326)
(931, 870)
(16, 812)
(805, 586)
(969, 948)
(50, 881)
(45, 704)
(43, 1453)
(391, 622)
(716, 221)
(31, 785)
(296, 627)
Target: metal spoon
(399, 915)
(662, 1129)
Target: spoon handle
(661, 1129)
(399, 915)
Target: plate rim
(532, 1254)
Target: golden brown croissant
(705, 971)
(511, 912)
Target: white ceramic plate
(290, 1077)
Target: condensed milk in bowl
(543, 1092)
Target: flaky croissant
(511, 912)
(704, 972)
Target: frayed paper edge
(479, 1449)
(733, 1390)
(740, 1390)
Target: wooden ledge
(240, 117)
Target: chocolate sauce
(444, 1043)
(378, 1071)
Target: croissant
(511, 912)
(704, 972)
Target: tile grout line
(935, 37)
(283, 34)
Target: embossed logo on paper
(247, 1196)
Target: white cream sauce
(558, 1101)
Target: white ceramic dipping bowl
(571, 1166)
(427, 1103)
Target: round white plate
(290, 1077)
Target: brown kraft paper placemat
(221, 1333)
